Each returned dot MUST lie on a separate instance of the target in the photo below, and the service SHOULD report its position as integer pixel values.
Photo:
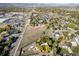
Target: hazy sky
(39, 1)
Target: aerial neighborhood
(39, 31)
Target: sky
(39, 1)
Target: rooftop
(2, 20)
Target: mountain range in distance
(25, 5)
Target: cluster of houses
(16, 20)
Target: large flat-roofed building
(3, 19)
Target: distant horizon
(24, 5)
(40, 1)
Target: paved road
(21, 37)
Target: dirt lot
(31, 34)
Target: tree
(9, 42)
(61, 39)
(1, 37)
(1, 49)
(58, 50)
(44, 48)
(8, 27)
(1, 30)
(13, 38)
